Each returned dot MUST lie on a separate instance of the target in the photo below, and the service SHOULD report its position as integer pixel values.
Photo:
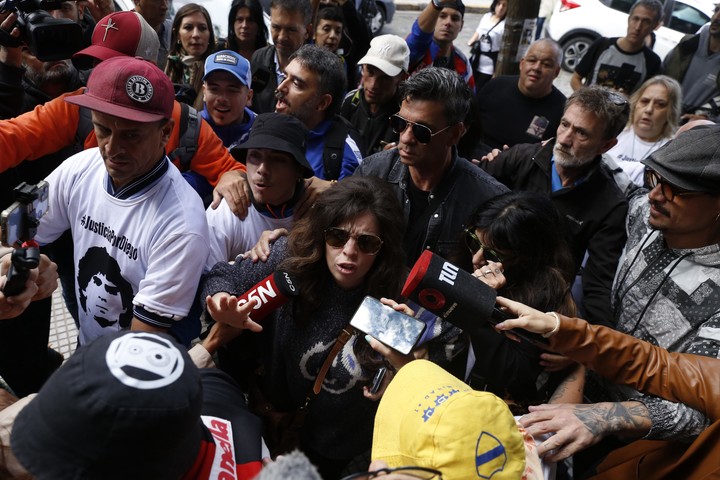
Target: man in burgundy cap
(139, 230)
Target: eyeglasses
(422, 133)
(417, 472)
(669, 191)
(474, 244)
(366, 242)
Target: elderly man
(570, 171)
(666, 293)
(126, 205)
(520, 109)
(312, 92)
(623, 63)
(367, 108)
(290, 27)
(438, 189)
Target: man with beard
(570, 171)
(26, 81)
(312, 92)
(695, 63)
(666, 294)
(290, 27)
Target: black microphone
(456, 296)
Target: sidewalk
(471, 6)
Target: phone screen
(395, 329)
(11, 222)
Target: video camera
(48, 38)
(19, 224)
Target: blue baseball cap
(231, 62)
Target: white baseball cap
(389, 53)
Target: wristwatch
(437, 5)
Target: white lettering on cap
(144, 361)
(226, 59)
(139, 89)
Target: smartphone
(395, 329)
(20, 220)
(12, 222)
(377, 380)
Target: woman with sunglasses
(516, 245)
(348, 246)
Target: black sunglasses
(417, 472)
(474, 244)
(669, 191)
(422, 133)
(366, 242)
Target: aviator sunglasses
(366, 242)
(474, 244)
(422, 133)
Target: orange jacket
(53, 125)
(690, 379)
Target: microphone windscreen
(269, 294)
(449, 292)
(457, 296)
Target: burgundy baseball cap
(122, 33)
(130, 88)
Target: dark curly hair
(344, 201)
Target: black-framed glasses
(367, 243)
(474, 244)
(669, 191)
(422, 133)
(416, 472)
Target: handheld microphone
(270, 293)
(456, 296)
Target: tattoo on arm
(570, 389)
(629, 419)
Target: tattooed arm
(576, 427)
(570, 389)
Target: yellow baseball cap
(429, 418)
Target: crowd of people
(217, 209)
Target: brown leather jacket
(691, 379)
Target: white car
(575, 24)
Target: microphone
(456, 296)
(269, 294)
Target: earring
(717, 217)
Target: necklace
(647, 152)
